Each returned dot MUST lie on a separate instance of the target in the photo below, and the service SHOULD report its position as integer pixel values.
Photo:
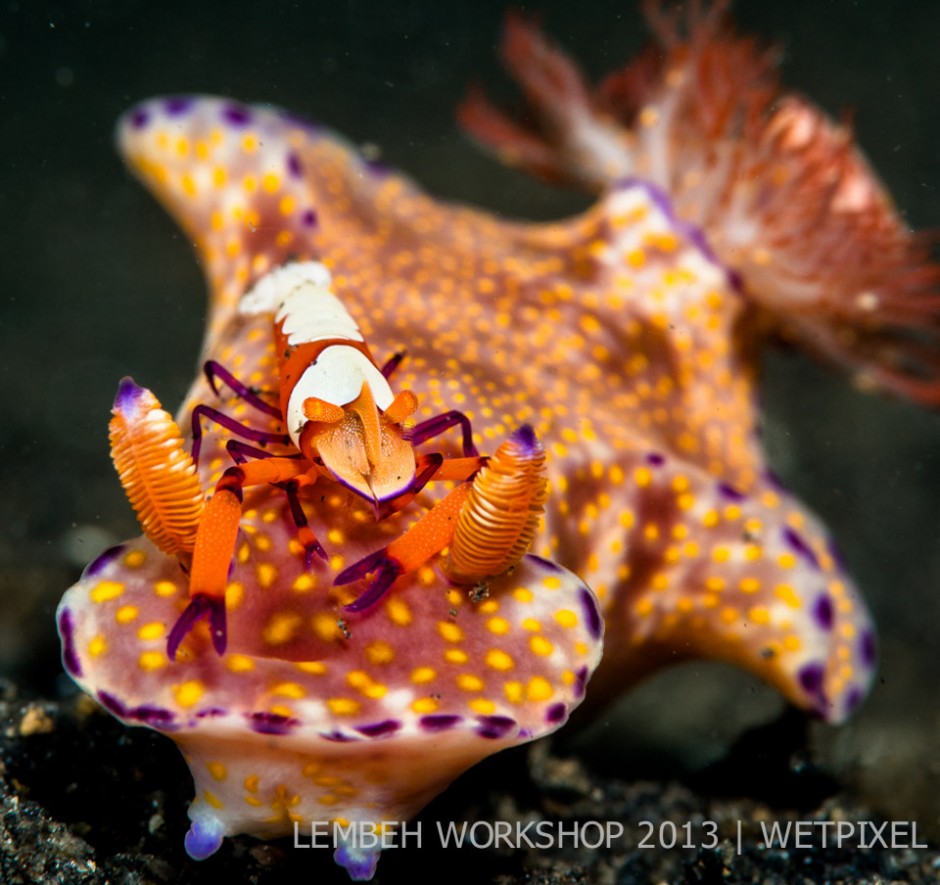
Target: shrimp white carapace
(344, 423)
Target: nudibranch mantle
(626, 336)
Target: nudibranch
(626, 338)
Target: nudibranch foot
(300, 722)
(787, 198)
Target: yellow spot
(251, 783)
(152, 660)
(380, 653)
(421, 675)
(315, 668)
(788, 595)
(749, 585)
(239, 663)
(489, 607)
(642, 476)
(267, 574)
(499, 626)
(188, 693)
(281, 628)
(106, 591)
(362, 681)
(721, 553)
(643, 607)
(532, 625)
(165, 588)
(498, 659)
(482, 706)
(792, 643)
(97, 646)
(469, 682)
(153, 630)
(539, 689)
(270, 182)
(343, 706)
(304, 583)
(514, 691)
(523, 594)
(217, 770)
(760, 614)
(729, 615)
(126, 613)
(456, 656)
(541, 646)
(135, 559)
(398, 612)
(289, 690)
(424, 705)
(449, 631)
(786, 560)
(287, 204)
(212, 799)
(566, 618)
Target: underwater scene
(487, 442)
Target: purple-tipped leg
(200, 606)
(386, 569)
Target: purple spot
(591, 615)
(853, 699)
(775, 481)
(440, 722)
(102, 560)
(155, 717)
(691, 232)
(112, 704)
(309, 218)
(867, 649)
(823, 612)
(654, 459)
(377, 168)
(211, 712)
(236, 114)
(338, 737)
(580, 683)
(377, 729)
(67, 632)
(525, 733)
(556, 713)
(271, 723)
(495, 726)
(811, 678)
(177, 105)
(140, 118)
(835, 553)
(293, 119)
(730, 492)
(546, 564)
(293, 165)
(796, 542)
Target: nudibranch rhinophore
(626, 338)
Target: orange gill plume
(782, 194)
(157, 473)
(501, 514)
